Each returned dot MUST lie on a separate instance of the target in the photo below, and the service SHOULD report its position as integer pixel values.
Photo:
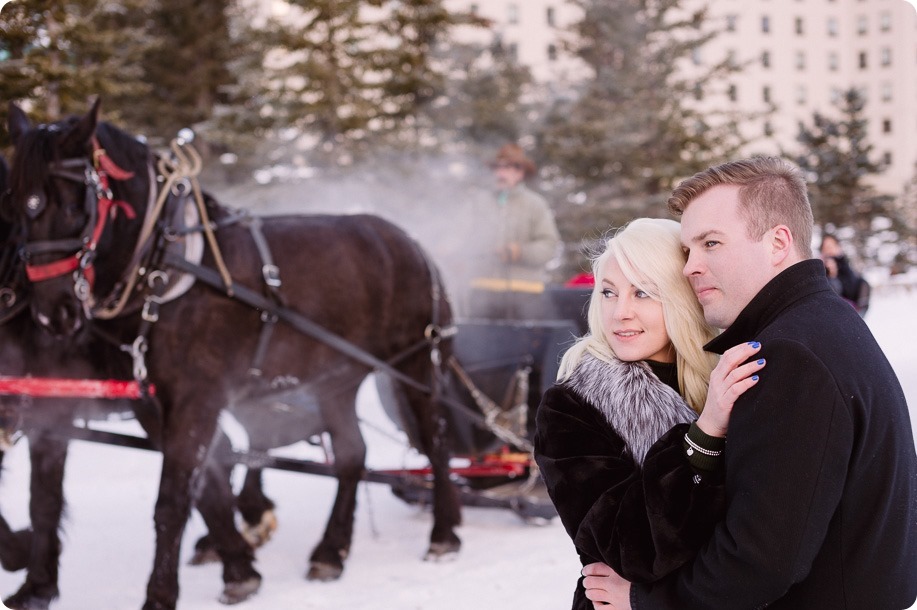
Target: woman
(637, 485)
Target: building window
(474, 9)
(512, 50)
(835, 95)
(733, 93)
(549, 16)
(766, 24)
(885, 21)
(552, 52)
(768, 128)
(887, 158)
(886, 92)
(800, 60)
(886, 125)
(886, 56)
(862, 60)
(801, 94)
(731, 58)
(696, 56)
(832, 26)
(862, 25)
(766, 94)
(765, 59)
(800, 30)
(512, 13)
(833, 61)
(698, 93)
(731, 22)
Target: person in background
(636, 481)
(519, 238)
(841, 276)
(821, 469)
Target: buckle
(271, 275)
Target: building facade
(798, 56)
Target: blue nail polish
(761, 361)
(755, 344)
(754, 378)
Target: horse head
(71, 199)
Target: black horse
(14, 546)
(359, 279)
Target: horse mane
(124, 149)
(35, 150)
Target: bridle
(99, 205)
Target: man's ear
(782, 246)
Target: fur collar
(638, 406)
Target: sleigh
(497, 373)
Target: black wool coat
(821, 471)
(644, 520)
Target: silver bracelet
(695, 447)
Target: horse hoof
(324, 572)
(442, 551)
(21, 601)
(203, 557)
(236, 592)
(258, 535)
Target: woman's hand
(605, 588)
(728, 381)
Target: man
(821, 471)
(841, 276)
(520, 238)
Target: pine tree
(836, 155)
(616, 148)
(631, 129)
(57, 56)
(357, 73)
(186, 66)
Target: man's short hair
(772, 191)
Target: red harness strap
(51, 387)
(106, 207)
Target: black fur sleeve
(643, 523)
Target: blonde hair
(772, 191)
(649, 253)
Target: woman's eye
(710, 243)
(607, 293)
(641, 295)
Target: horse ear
(18, 122)
(83, 129)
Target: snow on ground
(504, 562)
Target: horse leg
(14, 546)
(256, 509)
(205, 550)
(46, 505)
(216, 503)
(349, 448)
(447, 513)
(187, 437)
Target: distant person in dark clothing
(841, 276)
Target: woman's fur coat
(609, 443)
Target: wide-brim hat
(511, 154)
